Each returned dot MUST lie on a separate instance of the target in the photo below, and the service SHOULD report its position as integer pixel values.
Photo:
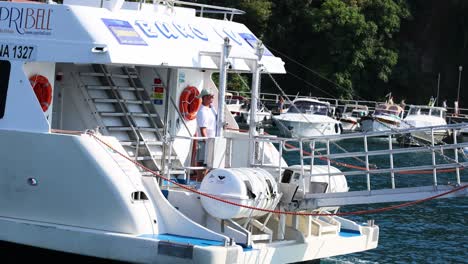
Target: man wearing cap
(206, 116)
(206, 120)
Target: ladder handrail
(144, 106)
(123, 107)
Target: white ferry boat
(129, 72)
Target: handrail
(211, 9)
(428, 166)
(181, 117)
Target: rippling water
(430, 232)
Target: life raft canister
(42, 89)
(189, 103)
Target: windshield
(413, 111)
(307, 107)
(387, 110)
(436, 112)
(358, 113)
(425, 111)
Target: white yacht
(262, 114)
(235, 104)
(420, 116)
(307, 118)
(386, 117)
(351, 117)
(97, 123)
(239, 107)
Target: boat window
(425, 111)
(5, 68)
(413, 111)
(436, 112)
(394, 109)
(358, 113)
(286, 176)
(307, 107)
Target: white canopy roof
(150, 34)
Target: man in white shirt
(206, 120)
(206, 116)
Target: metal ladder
(123, 109)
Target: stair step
(327, 227)
(154, 157)
(260, 237)
(134, 114)
(107, 100)
(120, 88)
(172, 172)
(120, 128)
(111, 75)
(131, 70)
(134, 143)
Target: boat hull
(61, 211)
(419, 138)
(290, 128)
(350, 125)
(379, 124)
(173, 249)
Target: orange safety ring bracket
(189, 103)
(42, 89)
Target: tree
(357, 37)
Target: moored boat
(420, 116)
(386, 117)
(307, 118)
(351, 117)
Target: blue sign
(252, 41)
(123, 32)
(174, 30)
(158, 102)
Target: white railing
(375, 166)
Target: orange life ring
(189, 103)
(42, 89)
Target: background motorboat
(307, 118)
(235, 104)
(386, 116)
(351, 116)
(420, 116)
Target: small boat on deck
(235, 103)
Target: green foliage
(257, 14)
(357, 37)
(360, 48)
(235, 82)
